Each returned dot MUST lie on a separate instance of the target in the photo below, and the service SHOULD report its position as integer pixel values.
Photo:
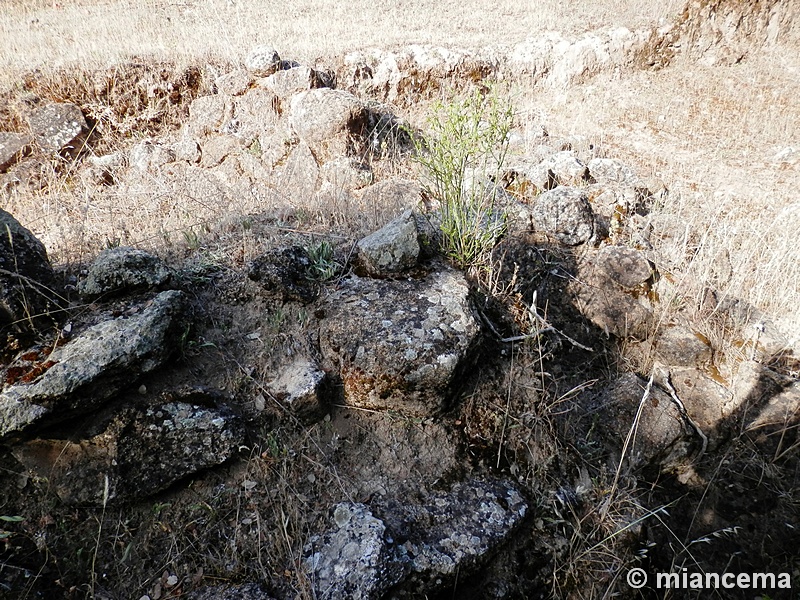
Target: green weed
(462, 158)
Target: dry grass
(47, 33)
(713, 135)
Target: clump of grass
(462, 158)
(324, 265)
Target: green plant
(323, 261)
(462, 158)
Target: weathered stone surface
(299, 386)
(614, 308)
(29, 295)
(122, 269)
(217, 148)
(566, 167)
(234, 83)
(355, 560)
(678, 346)
(400, 345)
(559, 60)
(245, 591)
(627, 267)
(708, 403)
(291, 81)
(451, 534)
(254, 113)
(208, 114)
(187, 149)
(300, 174)
(284, 273)
(403, 75)
(143, 451)
(415, 549)
(392, 249)
(330, 121)
(263, 61)
(663, 438)
(59, 126)
(776, 418)
(150, 156)
(565, 214)
(612, 171)
(13, 146)
(94, 366)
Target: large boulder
(331, 122)
(612, 287)
(565, 214)
(414, 549)
(400, 345)
(142, 452)
(665, 439)
(354, 560)
(59, 126)
(85, 373)
(30, 298)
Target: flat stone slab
(400, 345)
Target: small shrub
(462, 158)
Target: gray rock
(679, 346)
(255, 113)
(451, 534)
(263, 61)
(394, 194)
(142, 452)
(663, 438)
(291, 81)
(565, 214)
(208, 114)
(234, 83)
(59, 126)
(392, 249)
(354, 561)
(627, 267)
(400, 345)
(567, 168)
(122, 269)
(330, 121)
(614, 308)
(707, 401)
(245, 591)
(13, 147)
(612, 171)
(187, 149)
(299, 386)
(300, 174)
(414, 549)
(95, 366)
(30, 299)
(217, 148)
(284, 272)
(149, 156)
